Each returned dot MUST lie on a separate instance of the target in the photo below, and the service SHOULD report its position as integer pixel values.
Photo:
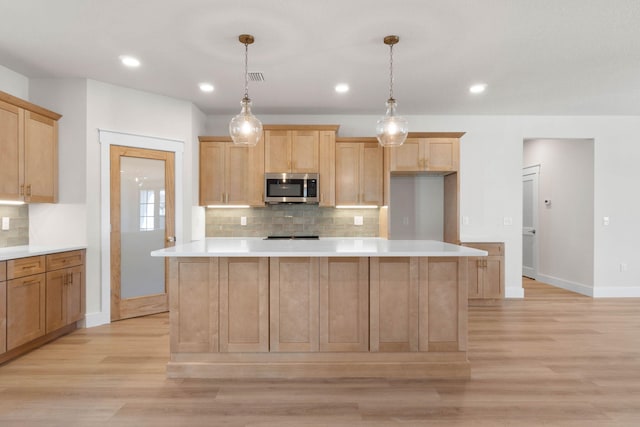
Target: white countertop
(329, 246)
(13, 252)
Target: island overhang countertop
(323, 247)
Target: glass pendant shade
(392, 130)
(245, 128)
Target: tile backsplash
(291, 220)
(18, 233)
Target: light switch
(358, 220)
(5, 223)
(508, 220)
(605, 220)
(243, 220)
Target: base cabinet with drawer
(41, 299)
(486, 274)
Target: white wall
(566, 225)
(14, 83)
(491, 181)
(416, 208)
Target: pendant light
(245, 128)
(391, 130)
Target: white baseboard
(617, 292)
(96, 319)
(566, 284)
(513, 292)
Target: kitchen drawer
(493, 248)
(21, 267)
(64, 260)
(3, 271)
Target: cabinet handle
(29, 190)
(22, 189)
(29, 283)
(70, 281)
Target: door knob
(171, 239)
(533, 231)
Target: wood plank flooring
(552, 359)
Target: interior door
(530, 221)
(142, 220)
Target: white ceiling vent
(256, 76)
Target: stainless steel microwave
(291, 188)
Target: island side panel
(244, 304)
(193, 287)
(293, 293)
(344, 304)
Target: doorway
(142, 215)
(530, 221)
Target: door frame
(533, 170)
(108, 138)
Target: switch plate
(243, 220)
(623, 267)
(507, 220)
(358, 220)
(605, 220)
(5, 223)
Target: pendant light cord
(391, 71)
(246, 70)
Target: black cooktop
(303, 237)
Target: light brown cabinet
(327, 168)
(29, 147)
(292, 150)
(65, 289)
(230, 174)
(359, 172)
(3, 306)
(486, 274)
(421, 154)
(26, 291)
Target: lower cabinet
(486, 274)
(41, 299)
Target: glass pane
(141, 228)
(527, 251)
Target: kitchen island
(334, 307)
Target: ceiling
(542, 57)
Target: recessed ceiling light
(342, 88)
(478, 88)
(130, 61)
(206, 87)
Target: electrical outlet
(243, 220)
(5, 223)
(507, 220)
(465, 220)
(623, 267)
(358, 220)
(605, 220)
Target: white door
(530, 221)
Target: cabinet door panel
(371, 176)
(74, 294)
(212, 186)
(56, 310)
(474, 279)
(442, 154)
(394, 304)
(305, 151)
(407, 157)
(41, 158)
(492, 285)
(327, 168)
(194, 305)
(277, 151)
(12, 149)
(344, 304)
(25, 309)
(3, 317)
(244, 304)
(237, 174)
(294, 304)
(347, 173)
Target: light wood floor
(552, 359)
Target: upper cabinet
(359, 172)
(291, 148)
(29, 147)
(426, 153)
(230, 174)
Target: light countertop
(14, 252)
(329, 246)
